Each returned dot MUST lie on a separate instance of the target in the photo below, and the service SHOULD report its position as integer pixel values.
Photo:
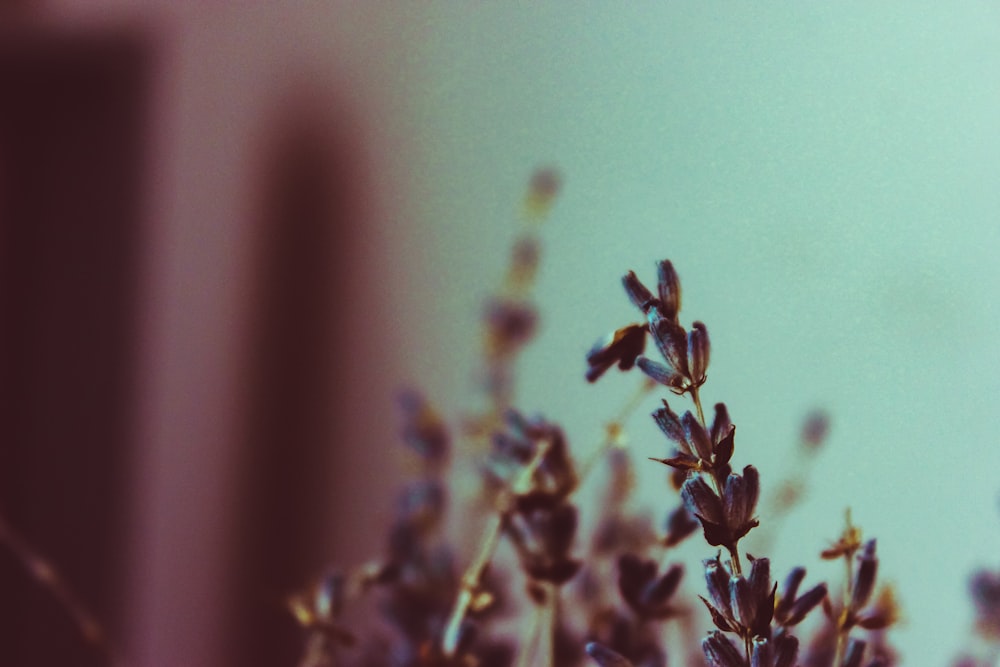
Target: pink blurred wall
(233, 90)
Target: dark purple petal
(786, 649)
(721, 423)
(724, 449)
(670, 424)
(789, 590)
(634, 574)
(660, 373)
(740, 499)
(761, 653)
(697, 436)
(701, 501)
(656, 596)
(681, 461)
(864, 578)
(717, 582)
(743, 603)
(721, 652)
(680, 525)
(760, 578)
(671, 340)
(853, 653)
(721, 622)
(806, 603)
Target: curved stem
(842, 630)
(470, 584)
(472, 578)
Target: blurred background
(229, 234)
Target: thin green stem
(470, 584)
(697, 404)
(529, 649)
(472, 578)
(550, 612)
(842, 623)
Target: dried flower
(815, 429)
(864, 578)
(792, 608)
(542, 190)
(721, 652)
(423, 429)
(622, 347)
(985, 588)
(680, 525)
(727, 519)
(647, 594)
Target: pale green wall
(825, 177)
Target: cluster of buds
(532, 460)
(726, 515)
(985, 589)
(744, 606)
(723, 502)
(860, 607)
(685, 353)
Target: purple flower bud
(660, 373)
(743, 603)
(803, 605)
(720, 652)
(670, 424)
(717, 582)
(697, 436)
(656, 596)
(638, 293)
(786, 650)
(700, 500)
(680, 524)
(699, 351)
(789, 590)
(740, 500)
(763, 594)
(761, 653)
(864, 578)
(853, 653)
(671, 340)
(721, 424)
(669, 287)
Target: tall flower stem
(733, 549)
(472, 578)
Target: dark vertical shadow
(71, 154)
(311, 213)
